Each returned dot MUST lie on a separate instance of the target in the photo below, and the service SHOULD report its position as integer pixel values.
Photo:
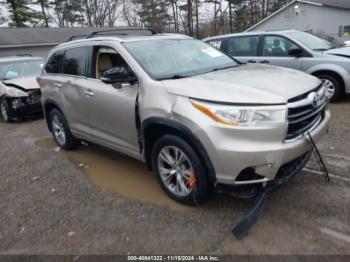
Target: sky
(205, 11)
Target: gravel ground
(81, 203)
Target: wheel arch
(334, 70)
(154, 127)
(47, 107)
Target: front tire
(333, 85)
(180, 171)
(61, 132)
(5, 111)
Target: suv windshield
(15, 69)
(311, 41)
(172, 59)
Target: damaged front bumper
(257, 155)
(25, 107)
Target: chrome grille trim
(305, 115)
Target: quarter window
(74, 62)
(243, 46)
(277, 46)
(53, 64)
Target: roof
(19, 58)
(334, 3)
(19, 37)
(345, 4)
(247, 34)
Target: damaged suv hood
(246, 84)
(26, 83)
(341, 51)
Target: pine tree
(154, 14)
(21, 13)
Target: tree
(21, 13)
(44, 5)
(154, 14)
(190, 17)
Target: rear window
(53, 64)
(75, 60)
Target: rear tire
(334, 85)
(180, 171)
(5, 111)
(61, 131)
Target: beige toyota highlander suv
(198, 118)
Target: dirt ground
(94, 201)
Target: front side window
(107, 58)
(277, 46)
(74, 61)
(243, 46)
(178, 58)
(16, 69)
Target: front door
(275, 52)
(112, 106)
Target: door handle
(251, 61)
(57, 85)
(89, 93)
(265, 62)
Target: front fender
(333, 68)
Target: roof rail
(75, 37)
(92, 34)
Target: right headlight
(242, 115)
(14, 92)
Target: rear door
(73, 90)
(275, 52)
(243, 48)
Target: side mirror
(297, 52)
(118, 75)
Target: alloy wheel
(58, 130)
(175, 170)
(330, 87)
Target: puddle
(116, 173)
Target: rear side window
(74, 61)
(53, 65)
(243, 46)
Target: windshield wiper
(324, 49)
(177, 76)
(221, 68)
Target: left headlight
(242, 115)
(14, 92)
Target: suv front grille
(305, 112)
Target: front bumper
(23, 108)
(256, 152)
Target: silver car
(292, 49)
(194, 115)
(19, 90)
